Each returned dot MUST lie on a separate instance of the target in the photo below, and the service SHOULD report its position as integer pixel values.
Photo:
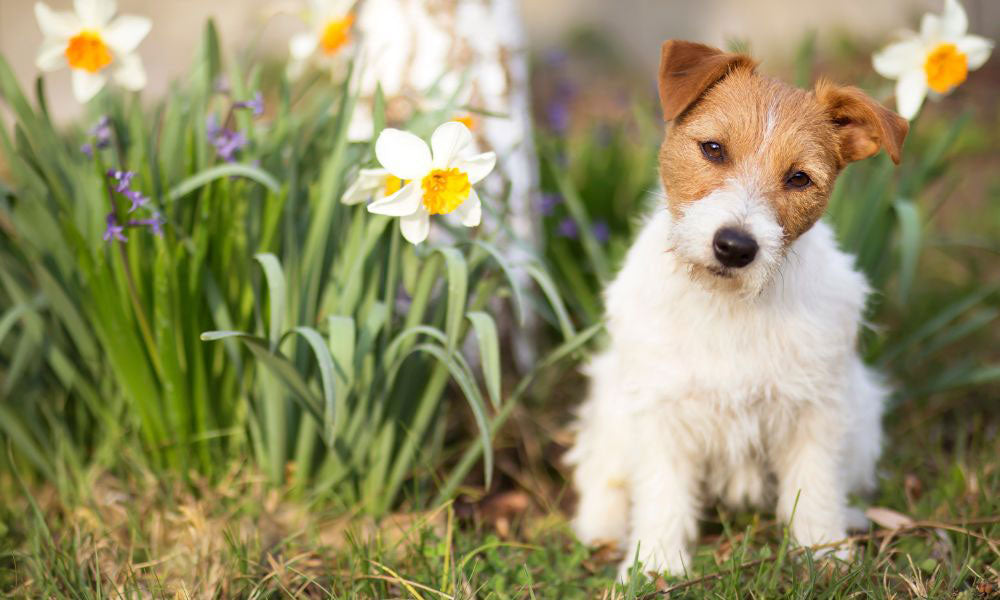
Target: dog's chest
(723, 357)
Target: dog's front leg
(664, 518)
(811, 496)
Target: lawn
(247, 385)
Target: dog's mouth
(723, 272)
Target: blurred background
(630, 29)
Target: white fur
(745, 389)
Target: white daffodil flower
(371, 184)
(329, 23)
(439, 178)
(90, 40)
(936, 60)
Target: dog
(732, 373)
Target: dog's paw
(675, 561)
(856, 519)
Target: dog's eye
(713, 151)
(798, 180)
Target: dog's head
(748, 162)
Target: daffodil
(372, 184)
(90, 40)
(934, 61)
(438, 178)
(329, 23)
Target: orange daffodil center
(86, 50)
(335, 34)
(392, 185)
(945, 67)
(445, 190)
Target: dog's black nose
(734, 248)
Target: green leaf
(551, 292)
(489, 353)
(327, 376)
(458, 283)
(909, 245)
(276, 293)
(278, 364)
(512, 280)
(210, 174)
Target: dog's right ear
(687, 69)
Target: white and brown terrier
(732, 373)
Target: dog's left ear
(864, 125)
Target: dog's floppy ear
(863, 124)
(687, 69)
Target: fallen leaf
(888, 518)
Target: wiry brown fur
(768, 130)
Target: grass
(239, 537)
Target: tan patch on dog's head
(730, 125)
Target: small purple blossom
(601, 231)
(548, 202)
(227, 142)
(137, 199)
(123, 179)
(255, 104)
(114, 230)
(155, 223)
(557, 115)
(101, 133)
(567, 228)
(556, 57)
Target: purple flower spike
(255, 104)
(558, 116)
(601, 231)
(567, 228)
(226, 141)
(548, 203)
(101, 134)
(114, 230)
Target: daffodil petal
(911, 89)
(302, 45)
(954, 22)
(895, 59)
(470, 212)
(448, 142)
(130, 74)
(95, 13)
(364, 186)
(403, 154)
(52, 56)
(415, 227)
(976, 49)
(477, 167)
(87, 84)
(58, 25)
(124, 33)
(930, 28)
(403, 203)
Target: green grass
(239, 537)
